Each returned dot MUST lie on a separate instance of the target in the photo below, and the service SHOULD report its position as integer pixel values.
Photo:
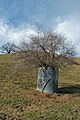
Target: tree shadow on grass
(70, 90)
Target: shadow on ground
(70, 89)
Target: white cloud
(70, 27)
(9, 33)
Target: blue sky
(42, 11)
(18, 18)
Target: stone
(47, 80)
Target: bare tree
(8, 48)
(48, 50)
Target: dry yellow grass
(19, 99)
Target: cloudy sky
(18, 19)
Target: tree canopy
(47, 48)
(8, 47)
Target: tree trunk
(47, 80)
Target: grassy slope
(19, 99)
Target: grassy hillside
(19, 99)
